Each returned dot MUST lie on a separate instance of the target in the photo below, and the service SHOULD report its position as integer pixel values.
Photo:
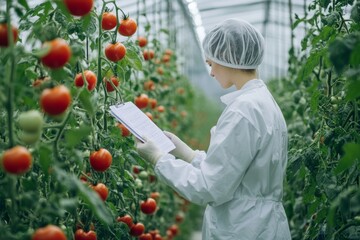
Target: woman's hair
(235, 43)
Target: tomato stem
(9, 104)
(59, 134)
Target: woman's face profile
(220, 73)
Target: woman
(240, 177)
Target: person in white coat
(240, 177)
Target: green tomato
(29, 137)
(143, 175)
(31, 121)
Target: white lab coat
(240, 178)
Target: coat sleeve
(231, 151)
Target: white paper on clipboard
(141, 125)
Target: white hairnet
(236, 44)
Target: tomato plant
(58, 53)
(16, 160)
(4, 38)
(115, 51)
(56, 100)
(108, 21)
(127, 26)
(49, 232)
(90, 77)
(79, 7)
(100, 160)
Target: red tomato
(58, 55)
(102, 190)
(174, 229)
(90, 77)
(179, 217)
(137, 229)
(127, 27)
(149, 85)
(127, 219)
(115, 52)
(109, 87)
(157, 237)
(4, 40)
(152, 102)
(124, 131)
(80, 234)
(142, 101)
(100, 160)
(49, 232)
(148, 54)
(148, 206)
(142, 41)
(136, 169)
(145, 236)
(108, 21)
(56, 100)
(16, 160)
(79, 7)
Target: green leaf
(133, 58)
(311, 63)
(24, 4)
(90, 197)
(85, 99)
(353, 90)
(352, 154)
(74, 136)
(355, 56)
(45, 158)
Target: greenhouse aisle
(196, 236)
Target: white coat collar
(230, 97)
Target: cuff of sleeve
(199, 156)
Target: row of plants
(69, 170)
(320, 101)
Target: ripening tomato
(161, 108)
(16, 160)
(148, 206)
(142, 101)
(79, 7)
(160, 70)
(102, 190)
(108, 21)
(149, 116)
(155, 195)
(109, 86)
(100, 160)
(179, 217)
(149, 85)
(56, 100)
(148, 54)
(145, 236)
(127, 27)
(80, 234)
(142, 41)
(168, 52)
(49, 232)
(152, 102)
(127, 219)
(115, 51)
(58, 55)
(137, 229)
(90, 77)
(124, 131)
(4, 39)
(166, 58)
(157, 237)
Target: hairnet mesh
(234, 43)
